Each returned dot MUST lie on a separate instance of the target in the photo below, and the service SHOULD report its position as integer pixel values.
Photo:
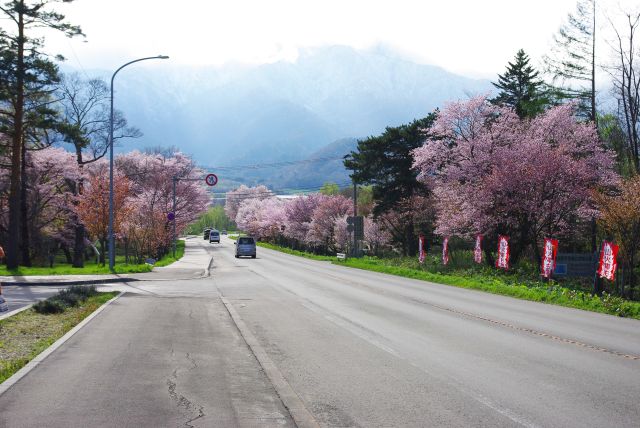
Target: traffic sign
(171, 216)
(211, 179)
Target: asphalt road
(18, 296)
(358, 348)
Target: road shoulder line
(301, 416)
(4, 387)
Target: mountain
(236, 115)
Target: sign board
(211, 179)
(341, 256)
(171, 216)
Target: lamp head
(163, 57)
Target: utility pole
(175, 179)
(355, 215)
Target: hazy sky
(475, 38)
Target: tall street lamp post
(112, 241)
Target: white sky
(475, 38)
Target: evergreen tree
(572, 61)
(27, 75)
(521, 89)
(386, 163)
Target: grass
(25, 335)
(490, 281)
(91, 268)
(168, 259)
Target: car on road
(206, 233)
(246, 246)
(214, 236)
(224, 231)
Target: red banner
(421, 253)
(608, 260)
(503, 252)
(549, 257)
(477, 251)
(445, 251)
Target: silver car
(246, 246)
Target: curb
(300, 414)
(15, 311)
(72, 282)
(4, 386)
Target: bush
(67, 298)
(49, 306)
(85, 291)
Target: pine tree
(26, 75)
(520, 88)
(572, 61)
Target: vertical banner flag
(477, 251)
(549, 257)
(608, 260)
(445, 251)
(503, 252)
(421, 254)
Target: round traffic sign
(211, 179)
(171, 216)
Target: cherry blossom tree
(299, 215)
(493, 173)
(236, 197)
(93, 205)
(322, 225)
(151, 175)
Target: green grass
(25, 335)
(492, 282)
(91, 268)
(295, 252)
(168, 259)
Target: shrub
(49, 306)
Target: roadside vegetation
(93, 267)
(213, 218)
(28, 333)
(517, 283)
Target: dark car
(206, 233)
(246, 246)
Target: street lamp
(112, 241)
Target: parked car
(206, 233)
(246, 246)
(224, 232)
(214, 236)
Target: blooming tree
(243, 193)
(324, 216)
(493, 173)
(93, 205)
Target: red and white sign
(445, 251)
(608, 260)
(421, 253)
(477, 250)
(549, 257)
(503, 252)
(211, 179)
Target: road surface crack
(192, 410)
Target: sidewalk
(194, 264)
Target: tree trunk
(67, 253)
(78, 246)
(102, 249)
(411, 243)
(24, 211)
(13, 244)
